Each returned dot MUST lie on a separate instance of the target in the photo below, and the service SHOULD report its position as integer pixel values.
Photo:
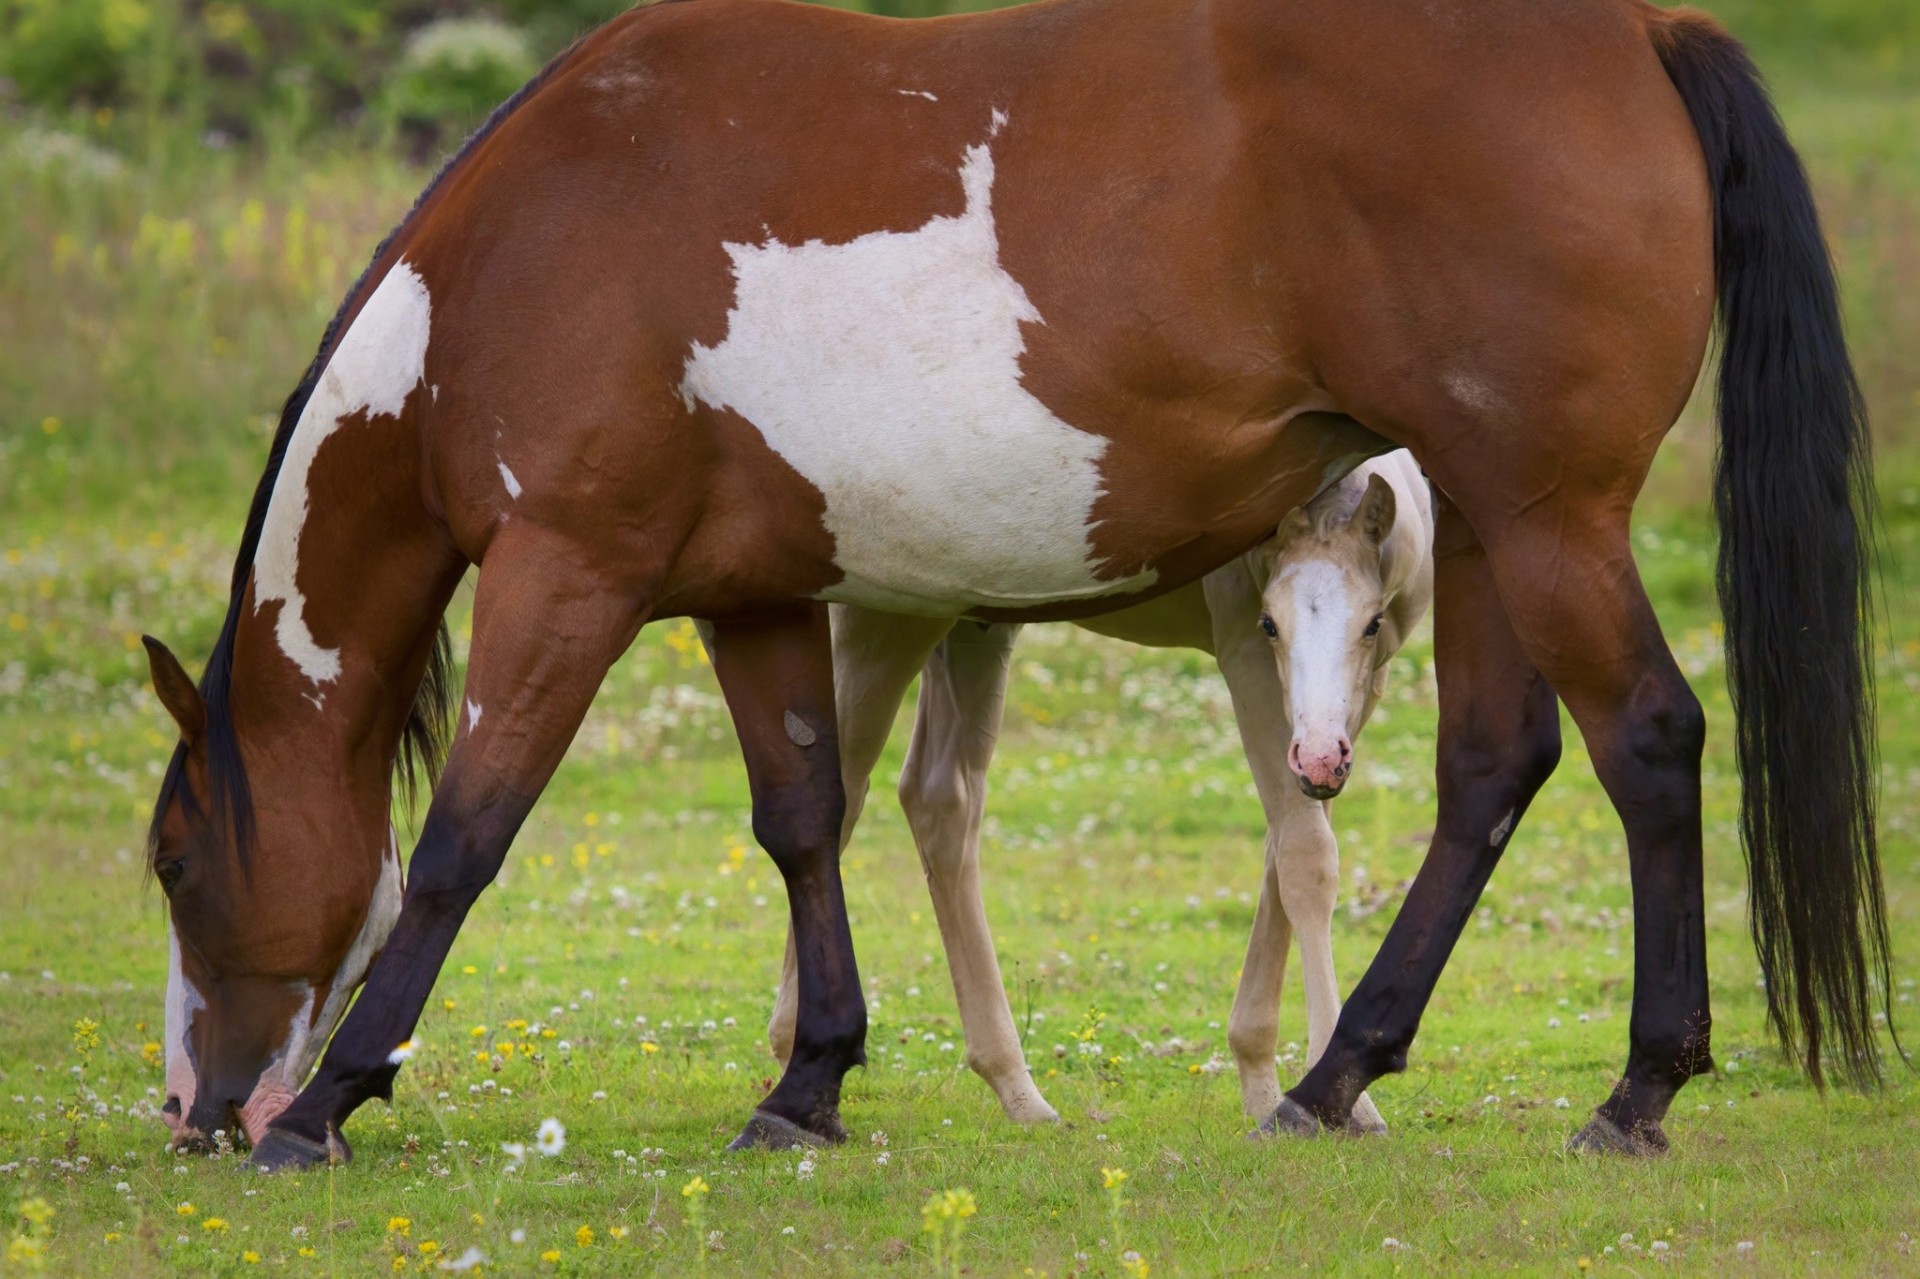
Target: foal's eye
(1373, 627)
(168, 874)
(1267, 627)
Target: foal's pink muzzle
(1321, 767)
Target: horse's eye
(1373, 627)
(168, 873)
(1267, 627)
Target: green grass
(151, 317)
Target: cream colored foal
(1302, 627)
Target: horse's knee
(798, 825)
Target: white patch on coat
(507, 478)
(473, 715)
(1319, 649)
(310, 1033)
(1501, 831)
(183, 1001)
(1470, 391)
(886, 370)
(917, 93)
(375, 366)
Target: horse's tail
(1793, 492)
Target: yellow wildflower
(186, 1210)
(1111, 1177)
(37, 1210)
(402, 1226)
(583, 1237)
(216, 1224)
(550, 1256)
(428, 1247)
(617, 1232)
(251, 1257)
(698, 1186)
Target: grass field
(152, 313)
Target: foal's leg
(1499, 741)
(1301, 871)
(776, 669)
(875, 657)
(943, 789)
(545, 632)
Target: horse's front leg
(546, 629)
(776, 669)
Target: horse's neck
(349, 580)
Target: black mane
(423, 743)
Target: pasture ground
(618, 976)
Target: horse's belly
(886, 371)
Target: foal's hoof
(768, 1131)
(1602, 1136)
(283, 1151)
(1290, 1118)
(1359, 1125)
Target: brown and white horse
(1302, 627)
(744, 306)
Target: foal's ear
(175, 690)
(1297, 524)
(1374, 519)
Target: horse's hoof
(1290, 1118)
(283, 1151)
(1602, 1136)
(768, 1131)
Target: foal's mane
(423, 742)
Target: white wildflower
(552, 1137)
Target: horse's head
(1323, 605)
(282, 881)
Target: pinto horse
(744, 306)
(1302, 627)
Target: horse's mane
(423, 742)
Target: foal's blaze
(1323, 607)
(745, 306)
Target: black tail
(1793, 490)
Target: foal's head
(1324, 605)
(282, 881)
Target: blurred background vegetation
(187, 187)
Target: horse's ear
(1374, 519)
(176, 690)
(1297, 524)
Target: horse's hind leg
(943, 789)
(875, 657)
(1499, 741)
(776, 669)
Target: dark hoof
(1290, 1118)
(1602, 1136)
(766, 1131)
(283, 1151)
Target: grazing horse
(1303, 628)
(745, 306)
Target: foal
(1303, 628)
